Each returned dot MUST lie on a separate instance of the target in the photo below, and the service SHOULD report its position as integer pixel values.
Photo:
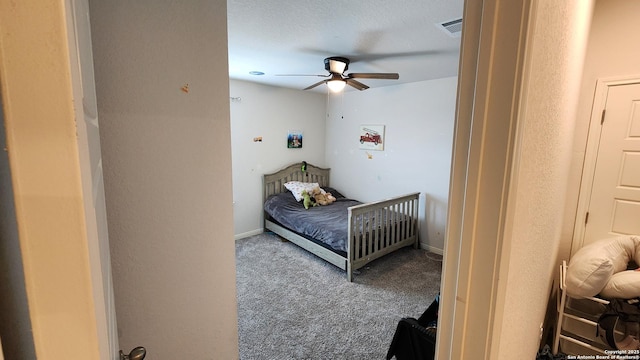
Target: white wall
(269, 112)
(167, 172)
(418, 119)
(612, 52)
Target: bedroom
(161, 257)
(418, 134)
(417, 111)
(518, 261)
(418, 121)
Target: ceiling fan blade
(314, 85)
(362, 53)
(389, 76)
(365, 56)
(356, 84)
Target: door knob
(136, 354)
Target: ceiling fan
(337, 80)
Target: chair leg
(561, 306)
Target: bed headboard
(274, 183)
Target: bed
(348, 234)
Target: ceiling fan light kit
(336, 66)
(336, 85)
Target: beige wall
(612, 51)
(167, 170)
(553, 68)
(505, 217)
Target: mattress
(326, 224)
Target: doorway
(609, 201)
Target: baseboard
(432, 249)
(248, 233)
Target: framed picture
(372, 137)
(294, 139)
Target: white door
(86, 111)
(613, 200)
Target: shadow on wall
(15, 323)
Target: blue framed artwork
(294, 139)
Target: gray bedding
(328, 224)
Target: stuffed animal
(306, 200)
(316, 197)
(321, 197)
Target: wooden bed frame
(395, 225)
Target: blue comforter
(328, 224)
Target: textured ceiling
(293, 37)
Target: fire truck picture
(368, 137)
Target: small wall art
(294, 139)
(372, 137)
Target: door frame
(591, 152)
(91, 181)
(43, 154)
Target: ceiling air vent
(452, 27)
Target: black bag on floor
(546, 354)
(416, 338)
(623, 316)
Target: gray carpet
(294, 305)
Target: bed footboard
(378, 228)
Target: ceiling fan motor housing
(334, 64)
(337, 65)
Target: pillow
(297, 187)
(623, 285)
(636, 254)
(592, 266)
